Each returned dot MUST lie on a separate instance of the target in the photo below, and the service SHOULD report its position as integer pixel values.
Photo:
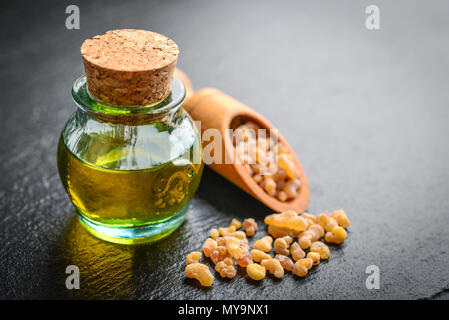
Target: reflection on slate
(106, 269)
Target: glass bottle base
(137, 235)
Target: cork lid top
(129, 66)
(130, 50)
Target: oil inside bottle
(123, 178)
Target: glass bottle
(130, 172)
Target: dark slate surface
(367, 113)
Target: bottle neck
(167, 111)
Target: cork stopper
(129, 67)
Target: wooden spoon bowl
(216, 110)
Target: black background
(366, 112)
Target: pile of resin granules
(259, 153)
(294, 234)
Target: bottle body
(130, 181)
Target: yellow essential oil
(127, 198)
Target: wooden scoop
(217, 110)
